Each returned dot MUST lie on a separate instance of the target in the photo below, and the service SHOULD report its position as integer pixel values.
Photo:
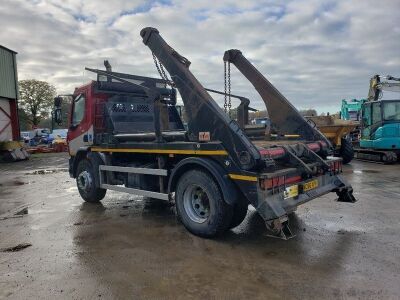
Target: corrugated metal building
(9, 125)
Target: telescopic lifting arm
(204, 114)
(284, 116)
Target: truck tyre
(85, 181)
(200, 205)
(239, 213)
(346, 151)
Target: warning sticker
(204, 136)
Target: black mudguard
(229, 190)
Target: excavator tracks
(385, 157)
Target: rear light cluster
(336, 166)
(275, 182)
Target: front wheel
(85, 181)
(200, 204)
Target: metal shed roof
(8, 49)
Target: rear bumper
(271, 204)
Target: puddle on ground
(21, 212)
(47, 171)
(365, 171)
(71, 189)
(16, 248)
(13, 183)
(18, 182)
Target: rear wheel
(239, 213)
(200, 205)
(85, 181)
(346, 151)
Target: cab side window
(79, 109)
(376, 113)
(366, 115)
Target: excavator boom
(376, 86)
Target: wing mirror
(57, 101)
(57, 114)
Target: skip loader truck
(126, 134)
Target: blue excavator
(351, 109)
(380, 123)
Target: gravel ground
(131, 247)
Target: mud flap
(279, 228)
(346, 195)
(344, 191)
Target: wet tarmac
(52, 245)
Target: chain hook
(161, 71)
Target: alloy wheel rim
(196, 203)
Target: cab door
(80, 131)
(376, 119)
(371, 119)
(366, 121)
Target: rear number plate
(291, 191)
(310, 185)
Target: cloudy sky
(315, 52)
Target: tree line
(36, 103)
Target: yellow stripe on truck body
(243, 177)
(161, 151)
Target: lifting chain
(161, 71)
(225, 100)
(227, 89)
